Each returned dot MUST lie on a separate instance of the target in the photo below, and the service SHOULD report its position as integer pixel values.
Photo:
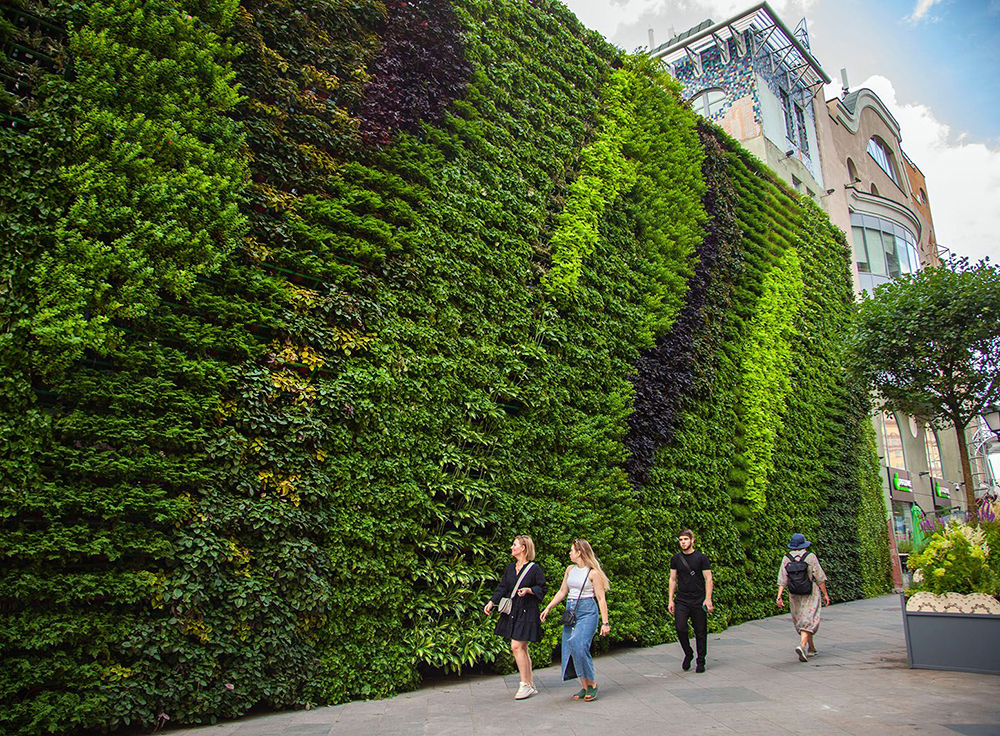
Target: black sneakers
(686, 664)
(700, 667)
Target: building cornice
(872, 204)
(761, 14)
(866, 99)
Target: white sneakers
(525, 691)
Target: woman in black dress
(522, 623)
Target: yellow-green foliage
(642, 146)
(152, 181)
(956, 559)
(604, 175)
(766, 362)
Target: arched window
(922, 196)
(894, 457)
(933, 451)
(852, 172)
(874, 190)
(709, 102)
(882, 154)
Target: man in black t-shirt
(691, 580)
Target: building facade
(880, 201)
(758, 80)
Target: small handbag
(569, 614)
(507, 603)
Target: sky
(932, 62)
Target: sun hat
(798, 541)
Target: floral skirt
(806, 610)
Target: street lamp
(992, 416)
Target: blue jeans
(576, 658)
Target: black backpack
(799, 581)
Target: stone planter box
(962, 642)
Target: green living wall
(307, 308)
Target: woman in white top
(584, 586)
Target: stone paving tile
(310, 729)
(859, 684)
(719, 695)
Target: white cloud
(607, 16)
(920, 12)
(963, 178)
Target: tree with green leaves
(928, 345)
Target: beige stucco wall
(845, 135)
(834, 173)
(784, 166)
(740, 120)
(928, 249)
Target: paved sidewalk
(858, 684)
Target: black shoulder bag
(569, 615)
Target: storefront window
(902, 520)
(891, 255)
(876, 252)
(860, 252)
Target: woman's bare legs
(523, 659)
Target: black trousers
(699, 620)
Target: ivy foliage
(313, 308)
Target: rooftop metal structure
(758, 31)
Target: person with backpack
(516, 596)
(691, 580)
(802, 575)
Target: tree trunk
(969, 485)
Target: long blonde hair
(589, 559)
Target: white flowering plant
(956, 559)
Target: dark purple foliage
(930, 526)
(986, 512)
(680, 367)
(421, 68)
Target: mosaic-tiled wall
(741, 115)
(736, 78)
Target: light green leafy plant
(956, 559)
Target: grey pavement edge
(859, 683)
